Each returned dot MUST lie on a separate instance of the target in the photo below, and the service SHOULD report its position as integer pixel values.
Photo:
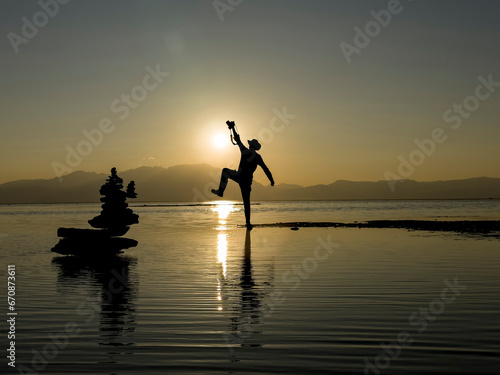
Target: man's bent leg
(225, 175)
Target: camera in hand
(230, 124)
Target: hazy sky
(276, 67)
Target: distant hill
(188, 183)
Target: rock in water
(113, 221)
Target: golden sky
(153, 82)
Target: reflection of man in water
(249, 161)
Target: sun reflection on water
(222, 252)
(221, 259)
(223, 209)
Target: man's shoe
(216, 192)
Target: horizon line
(201, 164)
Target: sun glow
(220, 140)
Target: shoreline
(484, 227)
(260, 201)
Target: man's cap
(255, 144)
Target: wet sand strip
(474, 226)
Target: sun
(220, 140)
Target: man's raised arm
(237, 139)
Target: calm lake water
(200, 295)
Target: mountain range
(192, 183)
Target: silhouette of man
(249, 161)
